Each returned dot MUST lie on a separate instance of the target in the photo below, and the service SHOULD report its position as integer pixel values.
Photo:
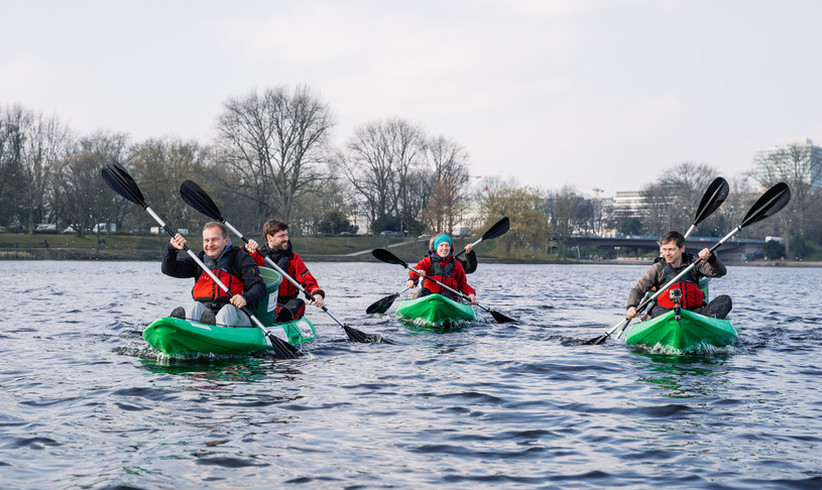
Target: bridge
(736, 248)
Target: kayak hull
(690, 332)
(435, 310)
(177, 336)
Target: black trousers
(290, 310)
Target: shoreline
(156, 255)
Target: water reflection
(247, 369)
(682, 376)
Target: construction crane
(596, 190)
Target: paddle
(122, 183)
(498, 229)
(767, 205)
(390, 258)
(714, 196)
(197, 198)
(382, 305)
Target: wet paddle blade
(386, 256)
(500, 318)
(713, 198)
(599, 340)
(382, 305)
(198, 199)
(116, 177)
(283, 349)
(602, 338)
(768, 204)
(364, 338)
(499, 229)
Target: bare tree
(42, 141)
(563, 210)
(671, 201)
(80, 197)
(11, 142)
(449, 173)
(161, 165)
(380, 161)
(276, 142)
(80, 190)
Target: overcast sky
(603, 93)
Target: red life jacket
(692, 296)
(444, 271)
(206, 289)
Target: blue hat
(442, 238)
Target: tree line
(273, 156)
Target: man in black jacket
(672, 260)
(232, 265)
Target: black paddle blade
(198, 199)
(500, 318)
(499, 229)
(364, 338)
(386, 256)
(116, 177)
(283, 349)
(714, 196)
(382, 305)
(597, 341)
(773, 200)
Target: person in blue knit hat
(470, 262)
(442, 266)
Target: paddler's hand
(178, 241)
(705, 254)
(631, 313)
(472, 298)
(251, 246)
(318, 300)
(469, 247)
(238, 300)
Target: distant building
(628, 205)
(793, 162)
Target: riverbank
(156, 255)
(317, 249)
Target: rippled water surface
(85, 403)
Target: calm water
(84, 403)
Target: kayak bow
(435, 310)
(177, 336)
(687, 333)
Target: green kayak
(177, 336)
(686, 332)
(434, 310)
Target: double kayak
(177, 336)
(682, 331)
(434, 310)
(173, 335)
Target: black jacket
(234, 260)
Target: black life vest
(692, 296)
